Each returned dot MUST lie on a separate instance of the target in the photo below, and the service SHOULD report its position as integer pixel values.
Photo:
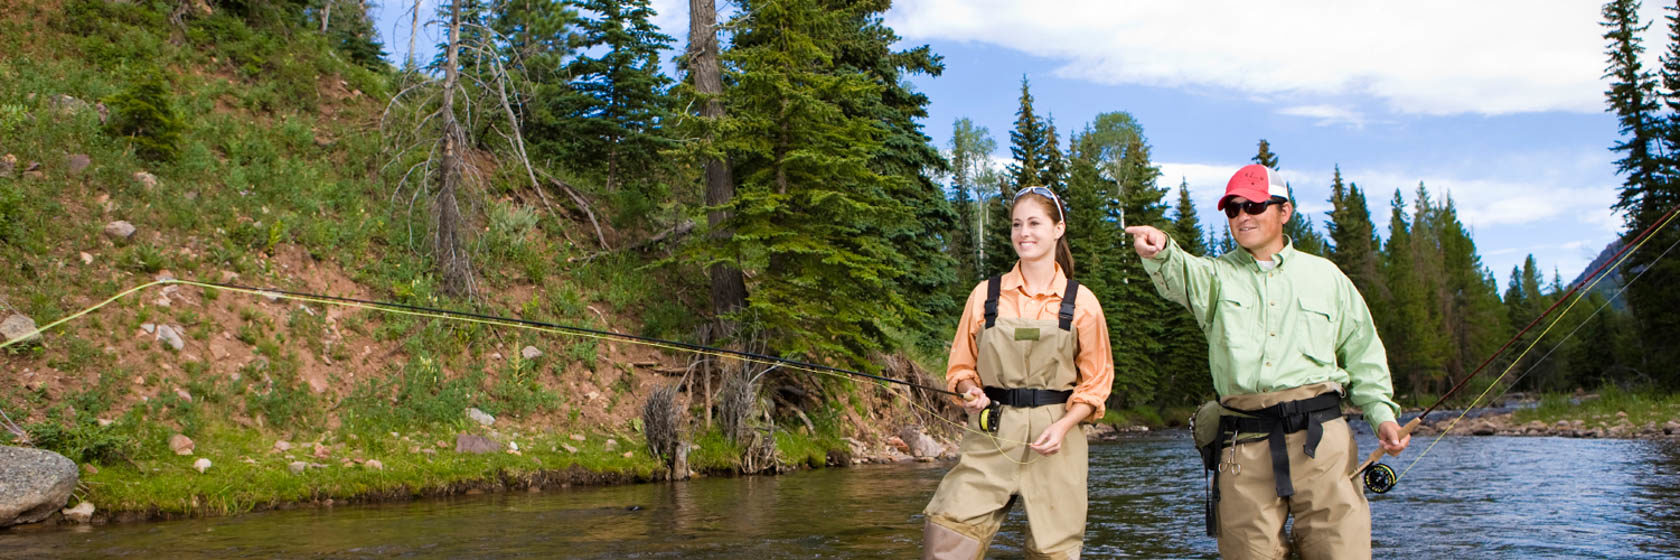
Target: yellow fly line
(1582, 294)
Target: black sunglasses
(1251, 207)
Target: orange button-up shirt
(1095, 361)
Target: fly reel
(1380, 478)
(989, 417)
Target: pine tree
(1474, 322)
(1354, 241)
(611, 116)
(812, 215)
(538, 38)
(1646, 193)
(1028, 144)
(1055, 171)
(929, 279)
(1187, 228)
(1302, 235)
(1265, 156)
(1224, 244)
(1139, 321)
(1186, 380)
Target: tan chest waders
(1027, 368)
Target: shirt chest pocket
(1238, 322)
(1317, 331)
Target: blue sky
(1498, 103)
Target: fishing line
(539, 326)
(1567, 337)
(1381, 478)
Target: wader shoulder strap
(1064, 318)
(994, 287)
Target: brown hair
(1064, 257)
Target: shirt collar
(1013, 280)
(1284, 255)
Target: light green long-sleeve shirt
(1302, 322)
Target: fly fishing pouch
(1204, 431)
(1211, 433)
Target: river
(1469, 497)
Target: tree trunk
(413, 29)
(729, 290)
(447, 244)
(326, 14)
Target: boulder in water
(34, 483)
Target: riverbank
(1607, 414)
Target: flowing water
(1470, 497)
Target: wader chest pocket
(1026, 333)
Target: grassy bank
(273, 173)
(1605, 405)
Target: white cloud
(1326, 115)
(1418, 57)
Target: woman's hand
(974, 399)
(1050, 441)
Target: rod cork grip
(1377, 453)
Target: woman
(1032, 360)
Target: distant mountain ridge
(1613, 277)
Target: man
(1288, 338)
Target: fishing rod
(753, 357)
(1381, 478)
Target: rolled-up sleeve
(964, 353)
(1363, 358)
(1095, 360)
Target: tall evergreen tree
(1265, 156)
(1646, 194)
(1055, 171)
(1524, 299)
(1138, 320)
(812, 215)
(538, 39)
(612, 115)
(1185, 378)
(908, 155)
(1028, 145)
(1187, 228)
(1354, 242)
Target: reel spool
(989, 417)
(1380, 478)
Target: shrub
(144, 113)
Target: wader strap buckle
(1064, 315)
(994, 288)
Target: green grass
(1641, 408)
(246, 474)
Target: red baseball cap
(1254, 182)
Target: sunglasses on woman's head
(1041, 191)
(1251, 208)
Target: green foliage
(12, 212)
(813, 213)
(145, 115)
(608, 122)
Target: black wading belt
(1286, 418)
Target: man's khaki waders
(998, 469)
(1332, 516)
